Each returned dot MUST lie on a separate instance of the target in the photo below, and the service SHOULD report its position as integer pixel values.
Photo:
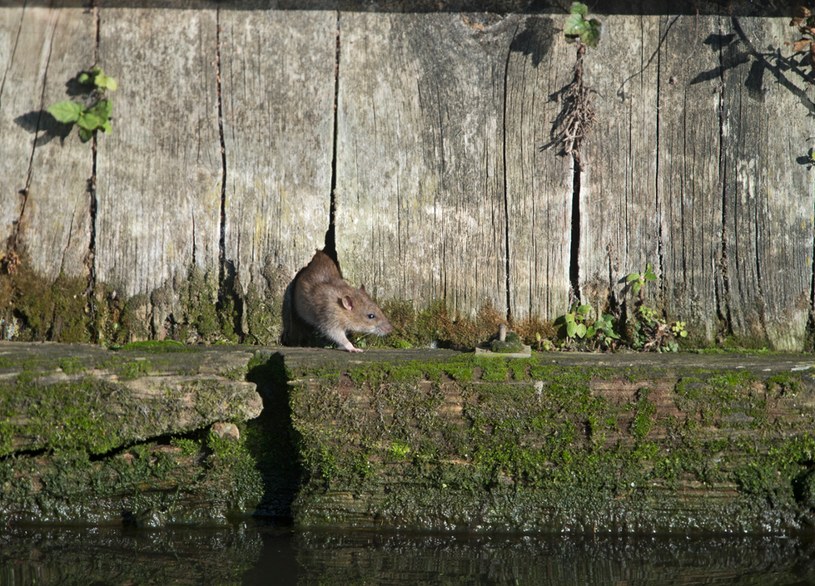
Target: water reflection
(260, 554)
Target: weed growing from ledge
(94, 112)
(633, 323)
(583, 329)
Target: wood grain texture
(20, 92)
(278, 85)
(696, 162)
(768, 198)
(44, 187)
(539, 181)
(690, 180)
(420, 180)
(160, 170)
(619, 212)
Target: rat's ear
(347, 302)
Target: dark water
(253, 554)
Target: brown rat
(323, 299)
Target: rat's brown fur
(323, 299)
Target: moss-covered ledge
(556, 442)
(148, 434)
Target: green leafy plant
(633, 324)
(578, 27)
(647, 329)
(94, 112)
(637, 281)
(584, 331)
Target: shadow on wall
(43, 124)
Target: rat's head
(363, 315)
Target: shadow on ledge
(272, 440)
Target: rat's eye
(371, 316)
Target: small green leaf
(571, 328)
(575, 26)
(103, 109)
(579, 8)
(85, 135)
(84, 78)
(580, 330)
(90, 121)
(102, 81)
(106, 127)
(591, 35)
(66, 112)
(632, 277)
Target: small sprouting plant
(580, 28)
(646, 328)
(809, 159)
(640, 327)
(94, 112)
(637, 281)
(583, 329)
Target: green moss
(513, 343)
(157, 346)
(71, 365)
(398, 450)
(131, 369)
(531, 440)
(188, 446)
(263, 316)
(643, 416)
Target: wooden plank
(768, 192)
(690, 180)
(539, 182)
(19, 83)
(44, 179)
(278, 72)
(420, 181)
(619, 215)
(55, 228)
(159, 171)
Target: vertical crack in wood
(93, 203)
(658, 203)
(723, 296)
(222, 262)
(330, 246)
(574, 253)
(507, 263)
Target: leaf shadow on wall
(44, 125)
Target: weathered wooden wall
(235, 122)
